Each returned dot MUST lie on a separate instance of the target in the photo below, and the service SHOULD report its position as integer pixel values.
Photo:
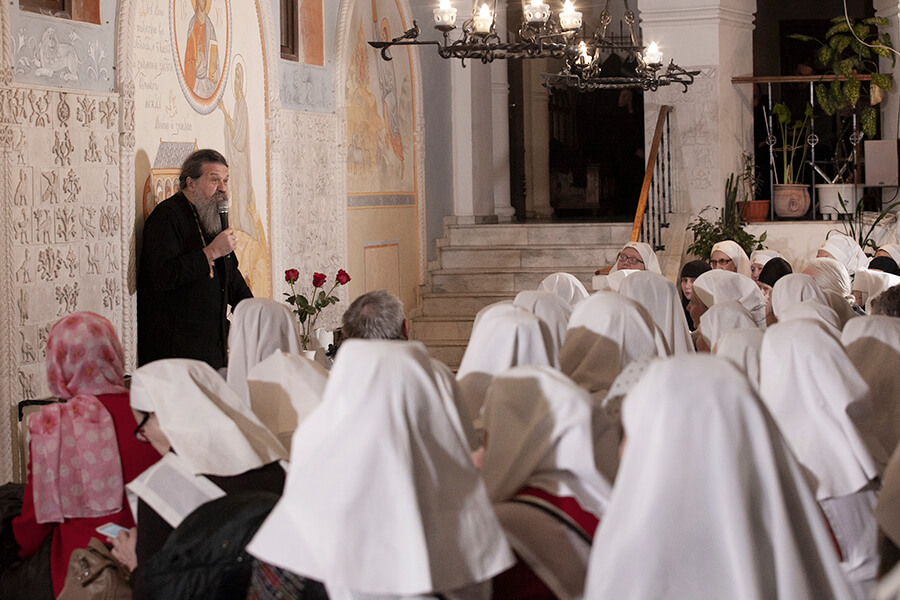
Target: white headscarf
(566, 286)
(871, 284)
(717, 286)
(813, 390)
(793, 289)
(893, 250)
(887, 512)
(614, 280)
(742, 347)
(284, 390)
(846, 251)
(651, 262)
(814, 311)
(382, 497)
(209, 427)
(504, 336)
(761, 257)
(544, 431)
(553, 310)
(259, 327)
(722, 318)
(873, 346)
(607, 332)
(661, 299)
(734, 251)
(709, 501)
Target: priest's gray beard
(208, 213)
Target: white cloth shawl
(734, 251)
(742, 347)
(846, 251)
(661, 299)
(717, 286)
(552, 309)
(709, 502)
(503, 336)
(284, 390)
(651, 262)
(724, 317)
(872, 283)
(566, 286)
(793, 289)
(814, 310)
(893, 250)
(259, 327)
(212, 430)
(544, 431)
(873, 345)
(381, 496)
(606, 333)
(761, 257)
(812, 390)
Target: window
(86, 11)
(290, 39)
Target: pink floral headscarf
(76, 468)
(84, 356)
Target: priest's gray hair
(887, 302)
(376, 315)
(193, 165)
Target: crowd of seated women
(729, 435)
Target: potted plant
(791, 197)
(850, 50)
(861, 227)
(752, 210)
(729, 226)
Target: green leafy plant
(855, 225)
(308, 309)
(729, 226)
(749, 180)
(793, 139)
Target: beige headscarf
(734, 251)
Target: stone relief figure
(49, 196)
(63, 112)
(86, 111)
(62, 149)
(111, 196)
(111, 297)
(109, 220)
(201, 52)
(49, 263)
(26, 382)
(43, 334)
(92, 152)
(43, 232)
(71, 186)
(72, 262)
(112, 258)
(40, 109)
(67, 297)
(20, 197)
(108, 112)
(21, 227)
(23, 273)
(65, 224)
(22, 305)
(111, 150)
(53, 57)
(87, 222)
(93, 258)
(28, 354)
(21, 148)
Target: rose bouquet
(308, 309)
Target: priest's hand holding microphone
(225, 242)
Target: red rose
(318, 279)
(291, 275)
(342, 277)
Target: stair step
(459, 305)
(528, 234)
(448, 353)
(506, 280)
(442, 329)
(547, 256)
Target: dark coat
(181, 310)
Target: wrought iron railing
(655, 202)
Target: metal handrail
(655, 201)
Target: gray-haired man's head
(375, 315)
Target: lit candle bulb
(483, 20)
(569, 18)
(445, 16)
(653, 55)
(584, 59)
(537, 12)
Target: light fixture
(545, 34)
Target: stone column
(713, 122)
(537, 141)
(500, 120)
(889, 9)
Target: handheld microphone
(223, 213)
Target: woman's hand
(124, 548)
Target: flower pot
(755, 211)
(791, 199)
(829, 204)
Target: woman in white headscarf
(793, 289)
(723, 514)
(742, 347)
(758, 260)
(845, 250)
(868, 284)
(873, 346)
(718, 285)
(660, 297)
(822, 406)
(552, 310)
(729, 256)
(503, 336)
(636, 256)
(407, 515)
(836, 284)
(815, 311)
(566, 286)
(550, 459)
(207, 436)
(606, 333)
(889, 250)
(259, 327)
(720, 319)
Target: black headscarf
(695, 268)
(774, 270)
(886, 264)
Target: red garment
(76, 533)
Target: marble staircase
(478, 265)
